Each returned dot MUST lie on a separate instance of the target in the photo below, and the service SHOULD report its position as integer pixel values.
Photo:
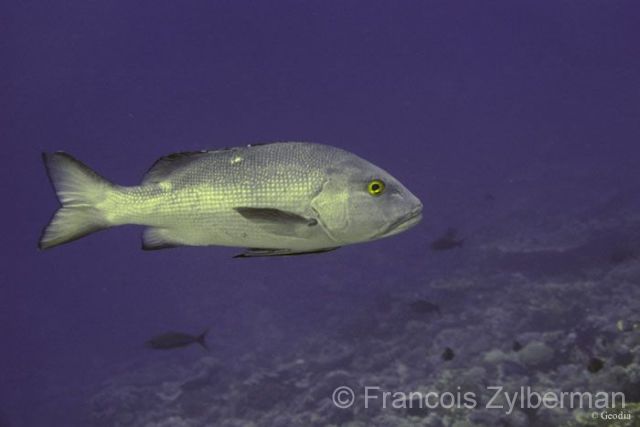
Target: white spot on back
(236, 159)
(165, 185)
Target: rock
(333, 356)
(536, 354)
(496, 356)
(263, 391)
(622, 356)
(416, 408)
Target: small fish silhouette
(171, 340)
(447, 241)
(448, 354)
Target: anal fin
(257, 252)
(156, 238)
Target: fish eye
(375, 187)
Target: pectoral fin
(278, 222)
(274, 216)
(256, 252)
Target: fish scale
(201, 196)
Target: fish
(448, 354)
(447, 241)
(171, 340)
(276, 199)
(595, 365)
(620, 255)
(422, 306)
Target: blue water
(515, 123)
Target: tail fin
(78, 189)
(202, 339)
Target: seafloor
(544, 289)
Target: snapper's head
(359, 202)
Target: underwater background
(516, 124)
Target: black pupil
(375, 187)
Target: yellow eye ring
(375, 187)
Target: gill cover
(330, 205)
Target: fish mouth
(403, 223)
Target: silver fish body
(279, 198)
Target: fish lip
(415, 213)
(404, 223)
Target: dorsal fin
(164, 166)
